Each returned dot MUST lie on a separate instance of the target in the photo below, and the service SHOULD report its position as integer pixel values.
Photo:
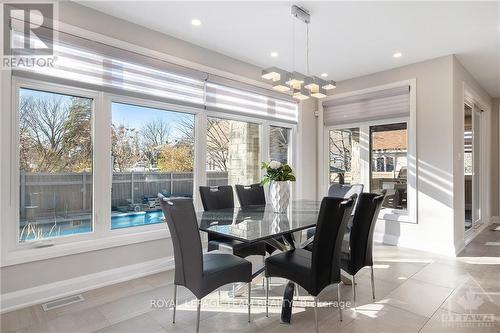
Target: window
(92, 162)
(152, 152)
(388, 149)
(233, 149)
(344, 158)
(279, 144)
(55, 164)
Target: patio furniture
(200, 273)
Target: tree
(124, 147)
(341, 143)
(77, 142)
(153, 135)
(279, 141)
(176, 158)
(217, 140)
(55, 134)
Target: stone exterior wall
(243, 155)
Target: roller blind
(224, 98)
(389, 103)
(104, 67)
(114, 69)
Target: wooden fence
(62, 193)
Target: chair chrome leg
(354, 291)
(296, 292)
(373, 284)
(267, 297)
(316, 313)
(338, 300)
(263, 274)
(198, 316)
(219, 294)
(175, 303)
(249, 299)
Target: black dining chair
(221, 197)
(341, 191)
(198, 272)
(357, 250)
(250, 195)
(314, 270)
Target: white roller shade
(224, 98)
(389, 103)
(87, 63)
(112, 69)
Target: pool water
(126, 220)
(84, 225)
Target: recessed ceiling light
(196, 22)
(324, 75)
(274, 54)
(397, 55)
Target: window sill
(25, 254)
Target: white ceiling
(347, 39)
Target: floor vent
(62, 302)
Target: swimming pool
(82, 224)
(126, 220)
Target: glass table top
(260, 223)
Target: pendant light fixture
(301, 86)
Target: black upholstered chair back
(217, 197)
(183, 225)
(332, 220)
(251, 195)
(344, 191)
(363, 226)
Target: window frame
(365, 168)
(102, 236)
(406, 216)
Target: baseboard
(384, 238)
(51, 291)
(389, 239)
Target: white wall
(434, 231)
(18, 277)
(440, 227)
(308, 149)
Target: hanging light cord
(307, 47)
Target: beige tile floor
(415, 292)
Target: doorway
(472, 166)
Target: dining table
(263, 224)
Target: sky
(132, 116)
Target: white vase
(280, 195)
